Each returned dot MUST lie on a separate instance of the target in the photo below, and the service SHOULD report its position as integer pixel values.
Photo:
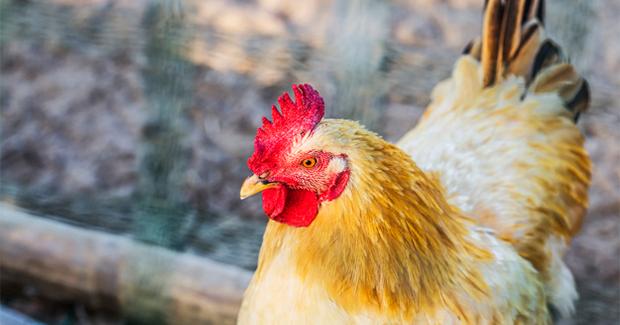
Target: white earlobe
(337, 165)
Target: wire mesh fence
(136, 117)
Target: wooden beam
(146, 283)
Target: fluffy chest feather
(278, 295)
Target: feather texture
(515, 163)
(390, 249)
(513, 43)
(465, 220)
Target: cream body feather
(515, 164)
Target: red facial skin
(301, 189)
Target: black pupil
(308, 162)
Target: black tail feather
(513, 42)
(548, 54)
(581, 101)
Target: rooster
(465, 220)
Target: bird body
(464, 221)
(487, 148)
(389, 249)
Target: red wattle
(274, 200)
(293, 207)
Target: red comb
(294, 118)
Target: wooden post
(148, 283)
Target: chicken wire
(142, 126)
(136, 117)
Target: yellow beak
(254, 185)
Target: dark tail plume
(513, 43)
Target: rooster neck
(390, 242)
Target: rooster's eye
(309, 162)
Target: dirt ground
(73, 116)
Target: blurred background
(125, 126)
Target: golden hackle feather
(387, 248)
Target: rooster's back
(501, 136)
